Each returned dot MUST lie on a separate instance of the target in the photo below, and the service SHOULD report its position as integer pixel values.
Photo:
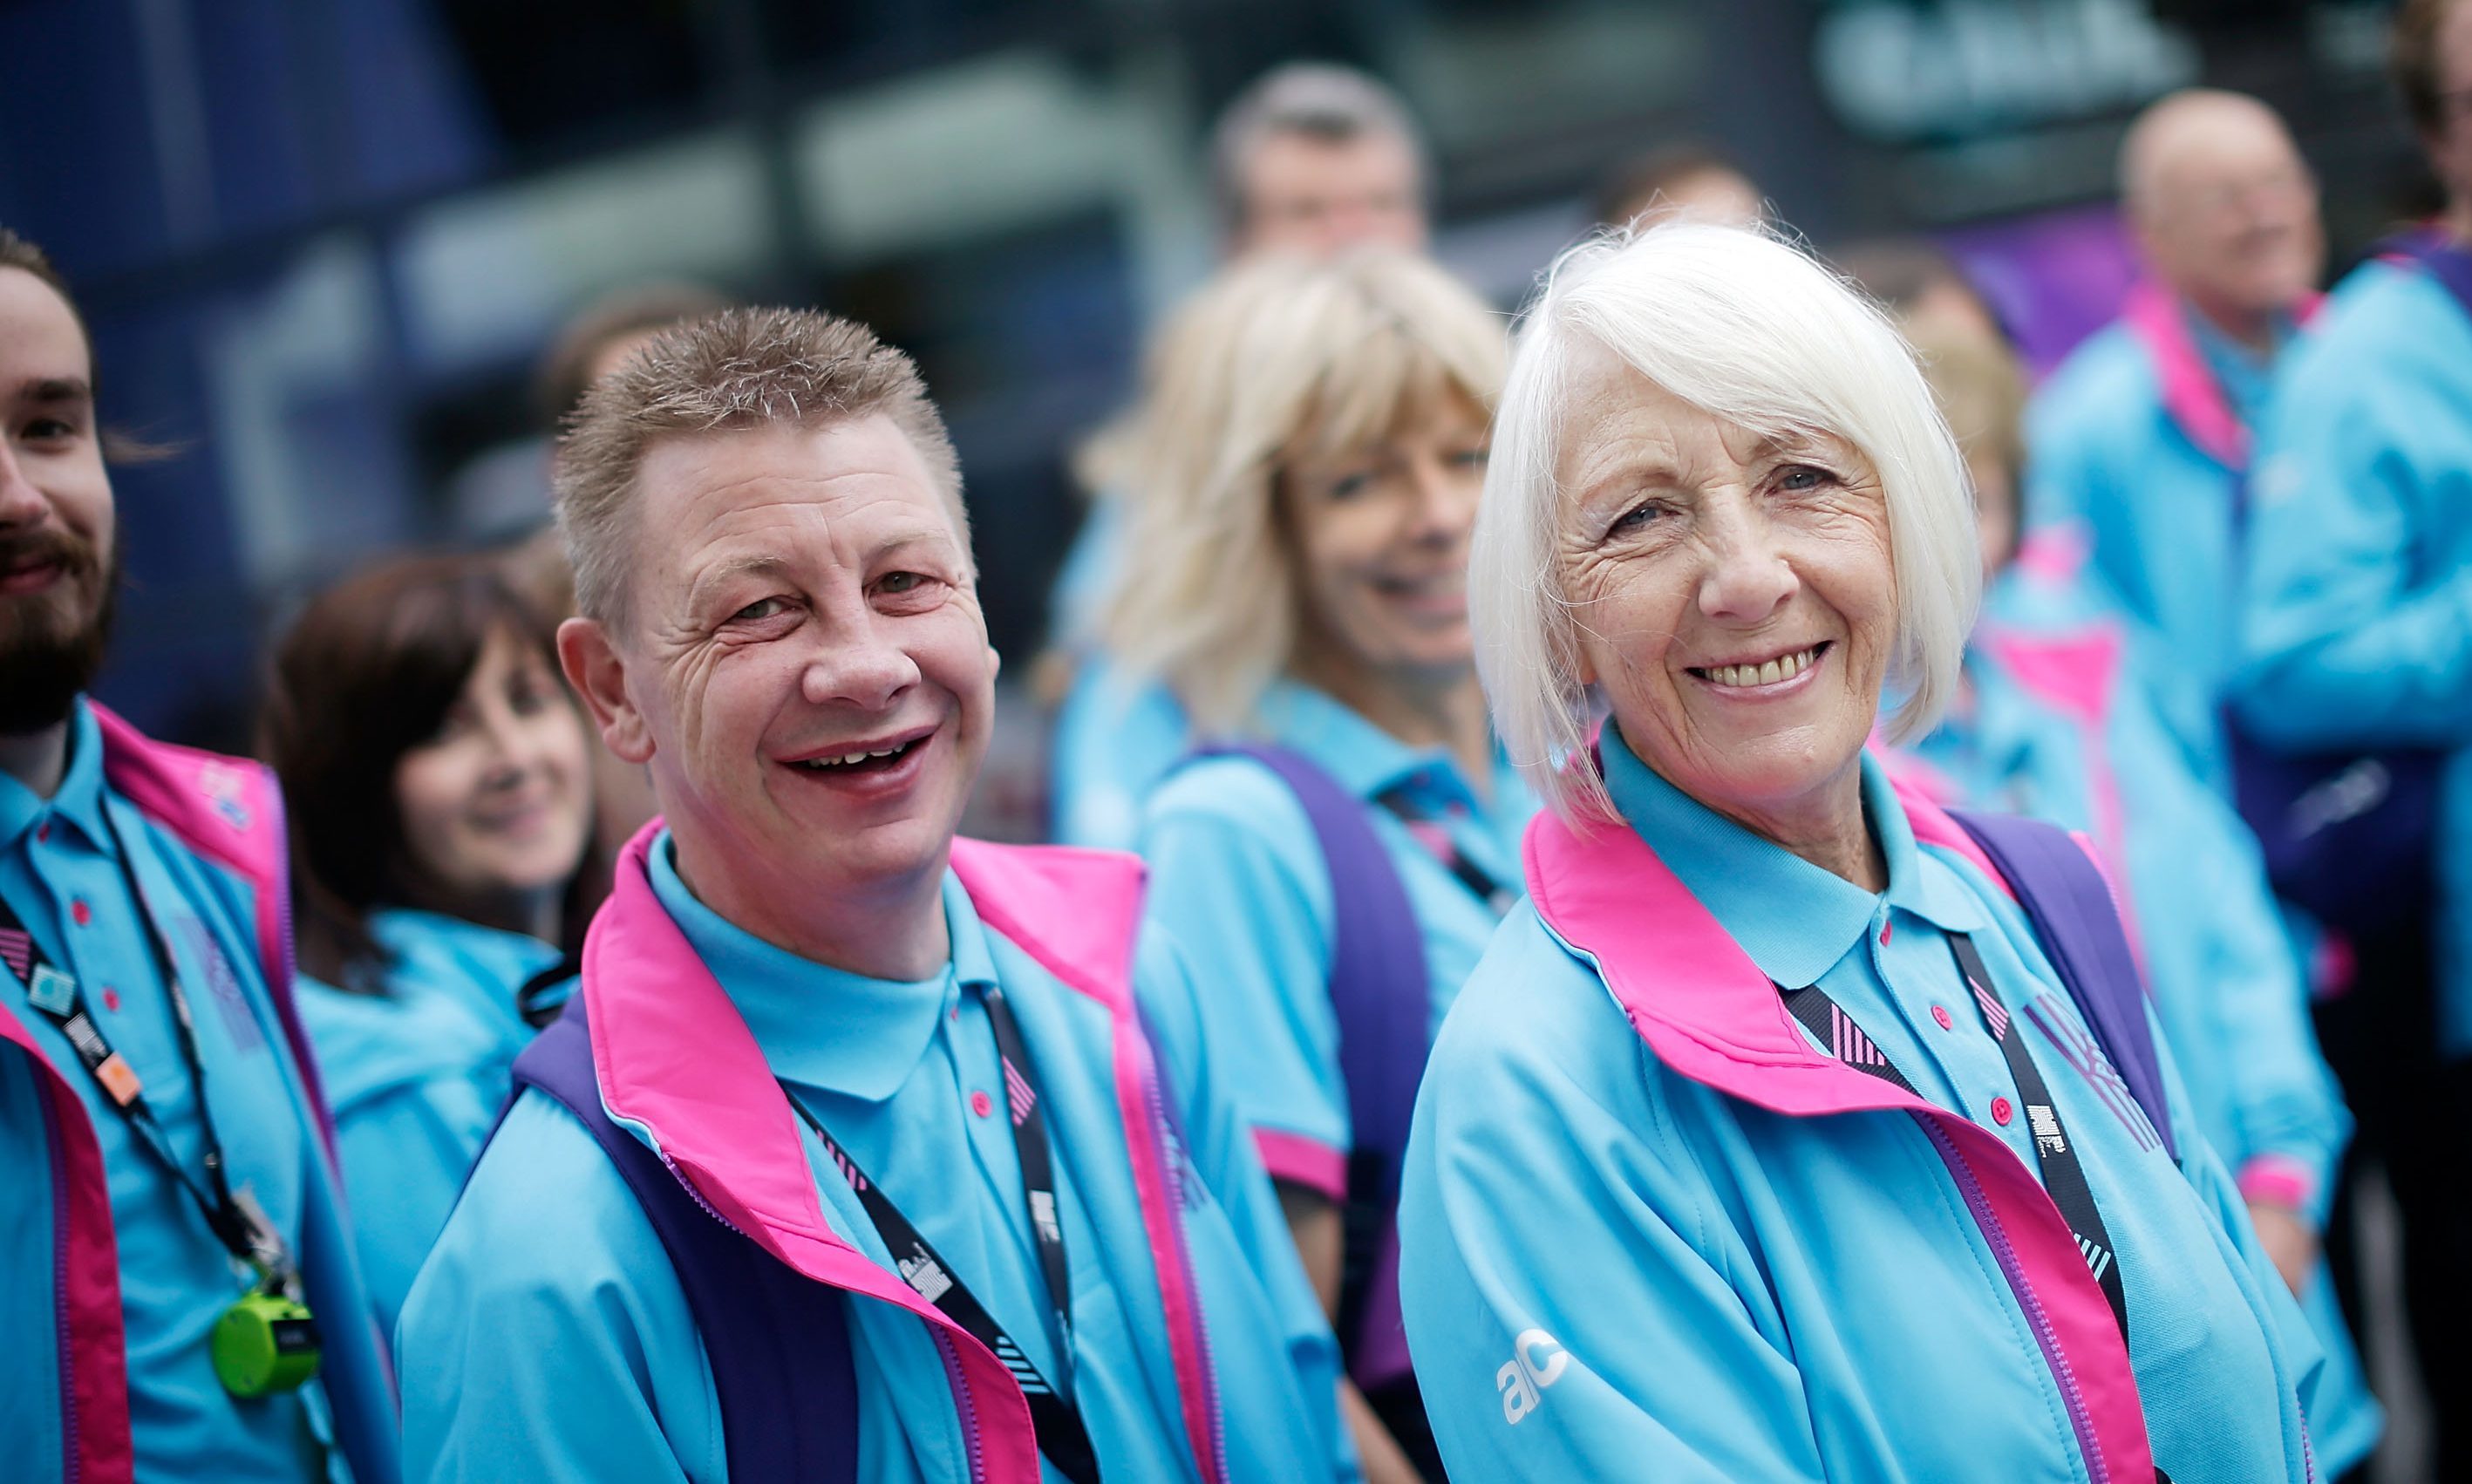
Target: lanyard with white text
(2063, 1176)
(1052, 1414)
(236, 1223)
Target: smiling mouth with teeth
(1781, 669)
(860, 762)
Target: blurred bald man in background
(2144, 433)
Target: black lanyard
(2063, 1176)
(243, 1229)
(1053, 1413)
(1436, 837)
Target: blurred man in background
(2144, 433)
(1687, 180)
(2358, 629)
(1314, 157)
(181, 1299)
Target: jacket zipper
(953, 1372)
(1215, 1467)
(2098, 1468)
(72, 1463)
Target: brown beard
(46, 661)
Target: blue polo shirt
(1701, 1288)
(60, 875)
(417, 1074)
(602, 1369)
(1238, 879)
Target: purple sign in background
(2056, 278)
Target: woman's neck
(1827, 828)
(1447, 712)
(535, 913)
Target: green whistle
(264, 1343)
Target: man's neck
(2458, 220)
(2258, 333)
(38, 760)
(894, 931)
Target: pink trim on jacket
(2078, 675)
(2278, 1180)
(1302, 1160)
(2055, 554)
(1708, 1012)
(1078, 912)
(228, 810)
(95, 1364)
(2191, 398)
(675, 1059)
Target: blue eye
(1348, 487)
(1798, 477)
(759, 610)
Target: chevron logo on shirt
(2098, 1256)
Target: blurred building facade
(322, 242)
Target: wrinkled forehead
(786, 495)
(1614, 419)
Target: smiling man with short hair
(977, 1219)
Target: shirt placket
(1914, 963)
(1001, 1221)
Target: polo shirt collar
(1363, 757)
(1794, 919)
(821, 1027)
(78, 799)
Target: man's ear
(598, 672)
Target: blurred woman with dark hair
(437, 772)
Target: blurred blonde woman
(1339, 852)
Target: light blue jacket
(2359, 599)
(2053, 726)
(2135, 436)
(1653, 1230)
(548, 1337)
(1238, 879)
(114, 1281)
(416, 1075)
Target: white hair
(1751, 331)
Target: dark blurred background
(323, 242)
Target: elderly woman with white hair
(1794, 1129)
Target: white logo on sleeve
(1538, 1360)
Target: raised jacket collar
(2192, 397)
(821, 1027)
(1743, 880)
(678, 1065)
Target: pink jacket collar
(677, 1062)
(2192, 397)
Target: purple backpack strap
(2435, 253)
(778, 1342)
(1382, 993)
(2069, 903)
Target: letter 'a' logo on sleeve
(1538, 1360)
